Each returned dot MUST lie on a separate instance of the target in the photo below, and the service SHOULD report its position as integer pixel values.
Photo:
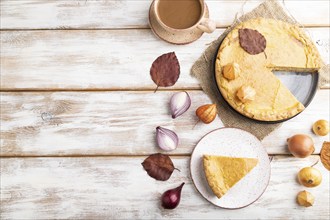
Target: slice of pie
(222, 173)
(247, 81)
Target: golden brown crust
(283, 104)
(217, 189)
(222, 173)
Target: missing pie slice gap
(293, 69)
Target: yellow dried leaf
(325, 155)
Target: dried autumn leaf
(165, 70)
(325, 155)
(158, 166)
(251, 41)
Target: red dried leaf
(165, 70)
(252, 41)
(158, 166)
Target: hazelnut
(246, 93)
(231, 71)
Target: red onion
(171, 198)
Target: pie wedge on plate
(222, 173)
(239, 164)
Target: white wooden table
(78, 114)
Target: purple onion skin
(174, 110)
(161, 133)
(171, 198)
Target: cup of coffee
(183, 16)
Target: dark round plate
(302, 85)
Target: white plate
(232, 142)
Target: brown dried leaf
(325, 155)
(165, 70)
(251, 41)
(158, 166)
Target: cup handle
(207, 25)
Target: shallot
(179, 104)
(166, 139)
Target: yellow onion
(301, 145)
(321, 127)
(310, 177)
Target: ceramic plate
(232, 142)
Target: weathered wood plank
(96, 14)
(119, 123)
(107, 59)
(119, 188)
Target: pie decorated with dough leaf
(222, 173)
(246, 80)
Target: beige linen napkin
(203, 70)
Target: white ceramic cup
(203, 24)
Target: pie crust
(287, 49)
(222, 173)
